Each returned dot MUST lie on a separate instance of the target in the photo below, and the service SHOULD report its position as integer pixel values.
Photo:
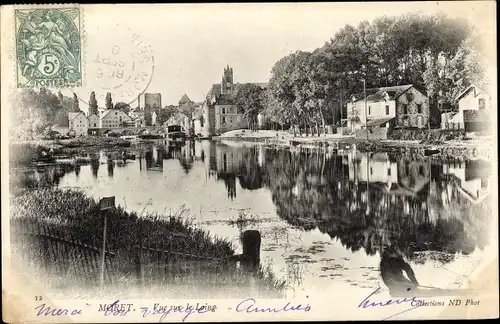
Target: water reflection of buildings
(228, 163)
(473, 181)
(381, 201)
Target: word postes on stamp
(48, 47)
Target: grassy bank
(72, 216)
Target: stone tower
(209, 118)
(227, 80)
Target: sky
(191, 44)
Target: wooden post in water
(250, 260)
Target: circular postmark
(124, 67)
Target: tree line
(437, 54)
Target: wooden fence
(452, 126)
(66, 258)
(59, 255)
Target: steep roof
(377, 94)
(184, 99)
(469, 89)
(110, 110)
(215, 90)
(73, 115)
(225, 99)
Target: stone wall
(412, 118)
(209, 120)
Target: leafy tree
(147, 117)
(250, 102)
(33, 112)
(60, 97)
(76, 103)
(93, 108)
(281, 88)
(164, 114)
(109, 101)
(123, 107)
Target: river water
(324, 216)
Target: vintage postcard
(249, 162)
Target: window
(389, 171)
(387, 110)
(94, 125)
(481, 103)
(223, 110)
(369, 110)
(116, 113)
(405, 109)
(223, 120)
(419, 108)
(371, 170)
(421, 170)
(201, 121)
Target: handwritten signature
(413, 302)
(249, 306)
(188, 311)
(44, 310)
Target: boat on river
(431, 151)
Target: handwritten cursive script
(249, 306)
(366, 302)
(44, 310)
(189, 310)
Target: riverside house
(113, 118)
(400, 106)
(220, 112)
(78, 123)
(474, 111)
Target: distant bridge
(127, 130)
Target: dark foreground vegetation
(62, 232)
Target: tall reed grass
(71, 211)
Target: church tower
(227, 80)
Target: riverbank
(467, 148)
(71, 216)
(22, 153)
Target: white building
(113, 118)
(154, 116)
(93, 121)
(474, 188)
(473, 98)
(78, 123)
(473, 110)
(375, 169)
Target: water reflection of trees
(419, 208)
(39, 177)
(364, 201)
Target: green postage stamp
(48, 47)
